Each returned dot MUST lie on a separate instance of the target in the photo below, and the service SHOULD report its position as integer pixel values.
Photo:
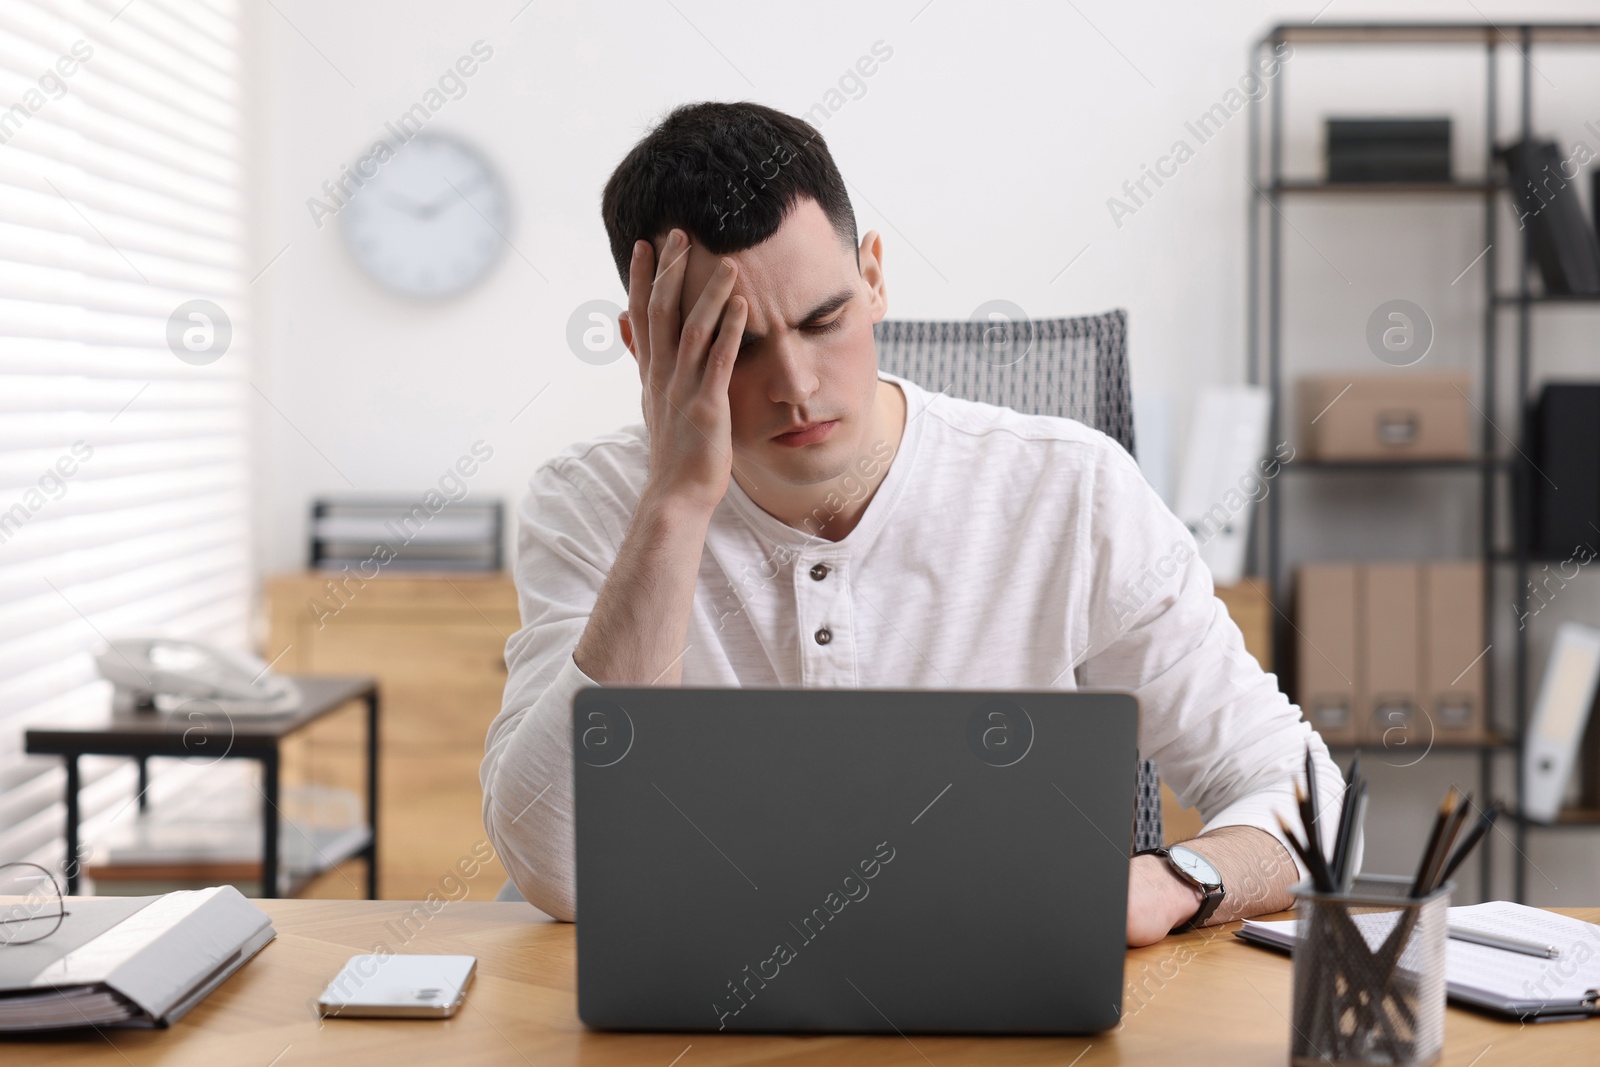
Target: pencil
(1481, 827)
(1312, 854)
(1319, 873)
(1446, 809)
(1452, 830)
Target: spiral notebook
(1496, 980)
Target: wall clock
(432, 220)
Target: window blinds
(123, 467)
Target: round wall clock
(432, 220)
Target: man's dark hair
(728, 174)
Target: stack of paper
(129, 961)
(1495, 979)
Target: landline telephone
(158, 674)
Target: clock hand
(410, 207)
(433, 207)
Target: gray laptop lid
(852, 860)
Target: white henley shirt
(1002, 551)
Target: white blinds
(123, 473)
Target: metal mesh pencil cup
(1369, 982)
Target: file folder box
(1328, 688)
(1453, 646)
(1391, 655)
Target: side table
(202, 729)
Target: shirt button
(823, 636)
(819, 572)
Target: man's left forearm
(1256, 871)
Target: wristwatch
(1198, 872)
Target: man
(789, 516)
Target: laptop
(852, 861)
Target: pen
(1510, 944)
(1350, 814)
(1358, 815)
(1313, 836)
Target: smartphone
(399, 987)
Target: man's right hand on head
(684, 368)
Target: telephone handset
(158, 674)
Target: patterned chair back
(1073, 368)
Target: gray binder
(129, 961)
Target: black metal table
(199, 728)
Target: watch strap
(1208, 908)
(1210, 901)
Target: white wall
(984, 150)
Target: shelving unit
(1496, 466)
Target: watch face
(431, 221)
(1194, 865)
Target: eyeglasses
(31, 907)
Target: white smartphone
(399, 987)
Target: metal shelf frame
(1269, 189)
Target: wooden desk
(1201, 998)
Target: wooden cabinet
(436, 644)
(1251, 610)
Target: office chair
(1073, 368)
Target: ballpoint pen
(1510, 944)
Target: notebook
(129, 961)
(1494, 979)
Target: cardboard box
(1328, 685)
(1454, 666)
(1401, 416)
(1391, 655)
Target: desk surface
(1197, 998)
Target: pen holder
(1369, 981)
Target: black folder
(1560, 237)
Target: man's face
(809, 356)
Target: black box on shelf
(1389, 150)
(1562, 477)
